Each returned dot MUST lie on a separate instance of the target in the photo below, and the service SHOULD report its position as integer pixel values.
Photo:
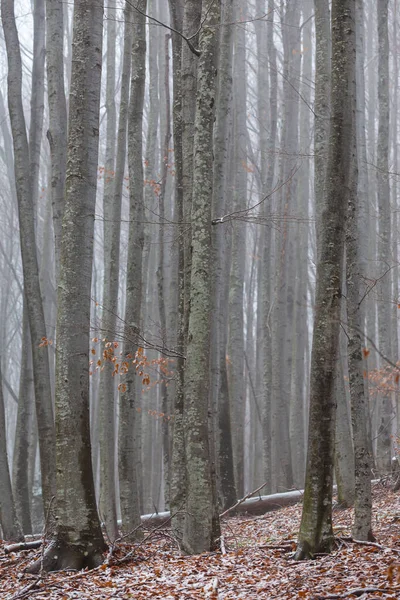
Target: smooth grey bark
(321, 103)
(266, 254)
(8, 515)
(316, 533)
(201, 527)
(152, 182)
(25, 414)
(264, 122)
(283, 298)
(26, 210)
(57, 131)
(344, 452)
(108, 500)
(120, 163)
(235, 348)
(78, 542)
(127, 450)
(383, 451)
(301, 246)
(24, 431)
(165, 129)
(394, 187)
(37, 96)
(356, 255)
(219, 394)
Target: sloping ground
(254, 562)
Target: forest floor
(255, 561)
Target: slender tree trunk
(201, 523)
(316, 533)
(127, 443)
(321, 103)
(8, 515)
(33, 296)
(37, 96)
(161, 270)
(178, 468)
(267, 263)
(355, 273)
(219, 391)
(57, 132)
(236, 284)
(383, 457)
(108, 500)
(23, 431)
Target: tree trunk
(127, 450)
(57, 132)
(316, 533)
(383, 453)
(8, 516)
(79, 542)
(178, 468)
(32, 291)
(219, 391)
(201, 524)
(108, 500)
(235, 349)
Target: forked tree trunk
(79, 541)
(316, 533)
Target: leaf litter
(254, 561)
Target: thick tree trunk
(201, 523)
(316, 533)
(79, 542)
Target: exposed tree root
(60, 555)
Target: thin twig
(239, 502)
(187, 40)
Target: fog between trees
(198, 264)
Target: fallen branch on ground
(357, 592)
(22, 546)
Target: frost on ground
(254, 562)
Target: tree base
(61, 555)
